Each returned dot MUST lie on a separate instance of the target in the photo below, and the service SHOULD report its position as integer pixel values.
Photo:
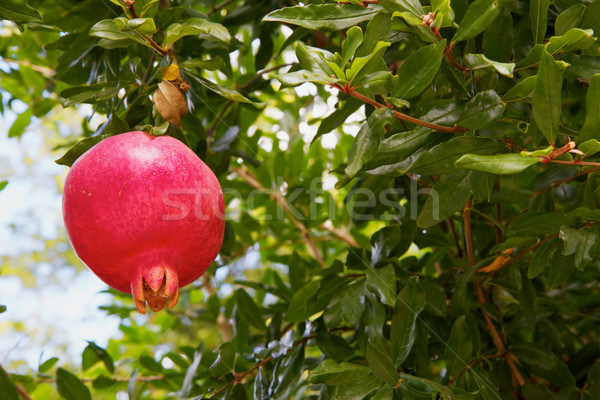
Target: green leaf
(448, 195)
(573, 40)
(330, 372)
(70, 386)
(383, 282)
(547, 98)
(107, 29)
(483, 110)
(367, 140)
(501, 164)
(302, 304)
(479, 15)
(521, 90)
(380, 82)
(589, 147)
(527, 297)
(225, 362)
(323, 16)
(211, 65)
(444, 14)
(2, 186)
(593, 379)
(7, 388)
(441, 159)
(195, 27)
(480, 61)
(538, 17)
(591, 126)
(190, 373)
(418, 70)
(101, 355)
(412, 6)
(248, 309)
(459, 347)
(582, 243)
(542, 257)
(354, 37)
(143, 26)
(18, 12)
(314, 60)
(224, 91)
(383, 243)
(78, 149)
(381, 364)
(378, 30)
(544, 363)
(362, 66)
(48, 364)
(569, 19)
(21, 123)
(90, 94)
(409, 304)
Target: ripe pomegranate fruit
(145, 214)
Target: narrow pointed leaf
(591, 126)
(501, 164)
(70, 387)
(479, 16)
(418, 70)
(459, 347)
(324, 16)
(410, 303)
(547, 98)
(538, 16)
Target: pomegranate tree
(145, 214)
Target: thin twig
(397, 114)
(468, 236)
(219, 7)
(496, 337)
(211, 130)
(471, 365)
(576, 162)
(276, 195)
(340, 234)
(452, 227)
(521, 254)
(499, 232)
(222, 323)
(149, 68)
(566, 180)
(18, 387)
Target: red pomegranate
(145, 214)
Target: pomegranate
(145, 214)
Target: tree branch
(497, 339)
(219, 7)
(276, 195)
(397, 114)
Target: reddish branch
(352, 92)
(497, 339)
(481, 299)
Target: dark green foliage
(457, 256)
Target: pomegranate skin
(145, 214)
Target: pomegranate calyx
(154, 286)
